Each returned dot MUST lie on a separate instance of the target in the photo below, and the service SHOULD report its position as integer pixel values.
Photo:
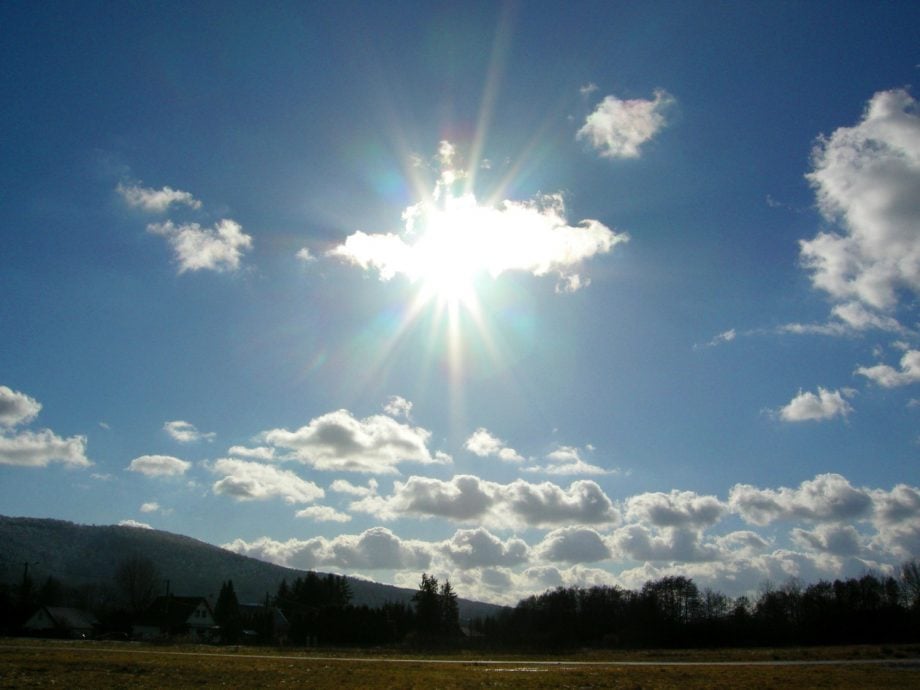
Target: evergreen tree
(227, 614)
(428, 607)
(450, 611)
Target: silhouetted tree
(428, 606)
(450, 611)
(227, 614)
(137, 579)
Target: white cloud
(134, 523)
(159, 465)
(573, 545)
(567, 461)
(588, 89)
(889, 377)
(618, 128)
(675, 509)
(397, 406)
(344, 486)
(867, 178)
(673, 544)
(337, 441)
(827, 497)
(17, 408)
(39, 448)
(807, 406)
(217, 249)
(155, 200)
(150, 507)
(253, 481)
(484, 444)
(467, 498)
(185, 432)
(305, 255)
(451, 236)
(257, 453)
(478, 548)
(374, 549)
(322, 514)
(838, 540)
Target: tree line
(671, 611)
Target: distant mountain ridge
(84, 554)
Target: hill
(89, 554)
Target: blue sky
(521, 295)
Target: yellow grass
(32, 663)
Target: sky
(521, 295)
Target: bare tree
(910, 583)
(137, 579)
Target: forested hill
(89, 554)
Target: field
(32, 663)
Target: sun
(448, 258)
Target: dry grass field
(34, 663)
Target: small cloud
(150, 507)
(305, 255)
(185, 432)
(159, 466)
(323, 514)
(17, 408)
(104, 425)
(155, 200)
(566, 460)
(135, 524)
(720, 339)
(253, 481)
(618, 128)
(484, 444)
(889, 377)
(807, 406)
(588, 89)
(397, 406)
(257, 453)
(216, 249)
(344, 486)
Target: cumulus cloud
(150, 507)
(675, 509)
(479, 548)
(185, 432)
(323, 514)
(216, 249)
(39, 448)
(134, 523)
(484, 444)
(17, 408)
(867, 179)
(455, 235)
(889, 377)
(257, 453)
(340, 442)
(304, 255)
(253, 481)
(343, 486)
(467, 498)
(808, 406)
(675, 544)
(374, 549)
(566, 460)
(159, 466)
(618, 128)
(826, 498)
(155, 200)
(397, 406)
(839, 540)
(573, 545)
(34, 448)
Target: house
(170, 616)
(60, 621)
(263, 623)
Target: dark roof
(171, 611)
(69, 618)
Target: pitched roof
(68, 618)
(171, 611)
